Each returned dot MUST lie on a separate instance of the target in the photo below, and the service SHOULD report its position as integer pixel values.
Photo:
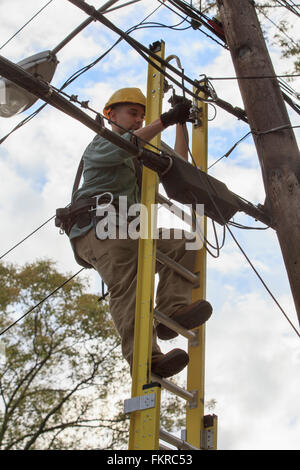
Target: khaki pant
(116, 262)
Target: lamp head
(14, 99)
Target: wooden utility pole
(267, 115)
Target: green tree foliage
(62, 365)
(62, 378)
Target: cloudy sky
(253, 354)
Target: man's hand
(179, 114)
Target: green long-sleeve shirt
(107, 168)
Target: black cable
(246, 135)
(273, 6)
(291, 103)
(288, 89)
(255, 77)
(23, 122)
(230, 150)
(17, 32)
(199, 17)
(41, 301)
(200, 23)
(84, 69)
(262, 281)
(288, 6)
(156, 24)
(19, 243)
(280, 29)
(295, 5)
(218, 247)
(204, 239)
(246, 227)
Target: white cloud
(242, 180)
(255, 363)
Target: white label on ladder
(142, 402)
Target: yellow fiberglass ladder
(144, 404)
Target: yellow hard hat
(125, 95)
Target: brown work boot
(189, 317)
(169, 364)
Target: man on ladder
(108, 169)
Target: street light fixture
(14, 99)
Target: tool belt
(80, 212)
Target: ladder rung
(173, 325)
(181, 392)
(164, 259)
(176, 441)
(162, 447)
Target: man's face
(128, 116)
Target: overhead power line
(104, 9)
(255, 77)
(280, 29)
(281, 128)
(291, 6)
(29, 235)
(40, 303)
(196, 24)
(267, 5)
(199, 20)
(29, 21)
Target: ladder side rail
(145, 423)
(196, 366)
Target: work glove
(175, 99)
(179, 114)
